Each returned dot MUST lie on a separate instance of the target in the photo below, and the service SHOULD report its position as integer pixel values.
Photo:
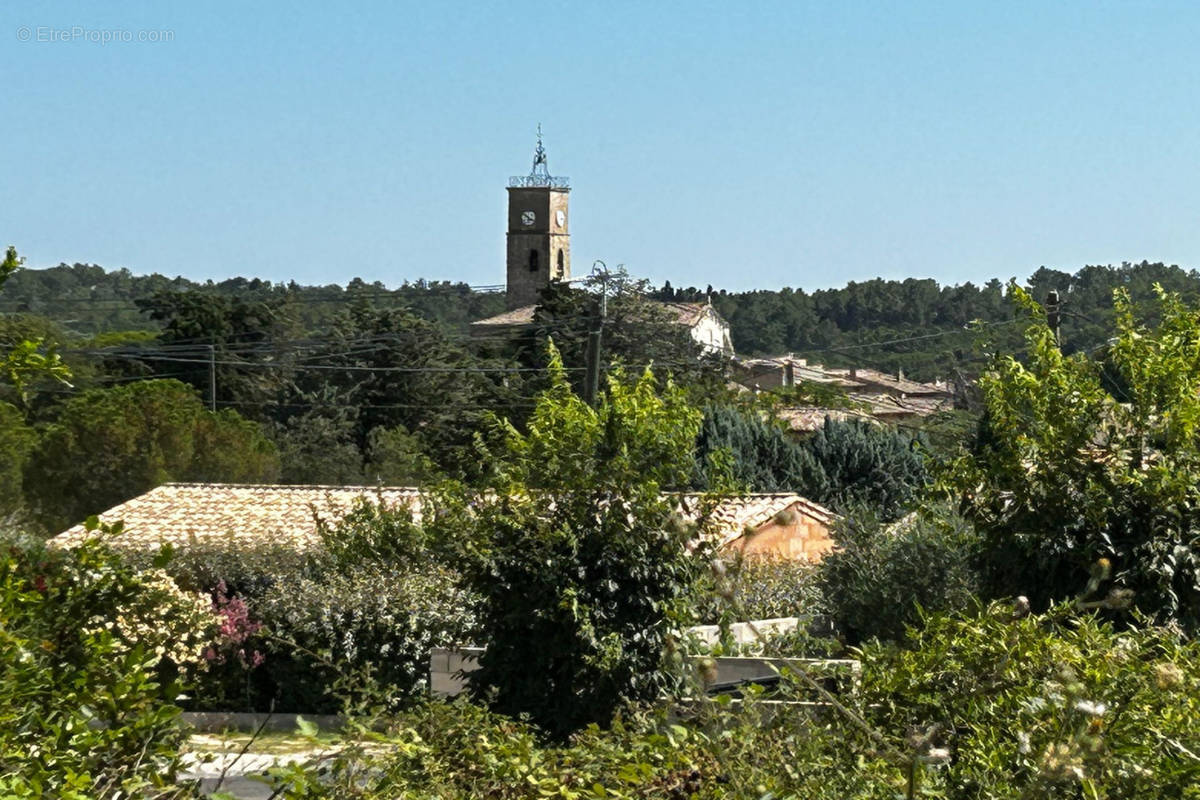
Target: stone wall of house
(791, 534)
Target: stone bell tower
(539, 244)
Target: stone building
(538, 252)
(539, 241)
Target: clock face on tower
(528, 218)
(560, 217)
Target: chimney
(789, 373)
(900, 373)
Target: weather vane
(539, 176)
(539, 156)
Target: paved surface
(241, 773)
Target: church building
(539, 251)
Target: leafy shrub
(842, 464)
(580, 563)
(371, 598)
(460, 750)
(1083, 458)
(372, 531)
(1057, 705)
(375, 623)
(992, 704)
(87, 648)
(881, 576)
(248, 570)
(758, 588)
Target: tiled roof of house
(181, 513)
(688, 314)
(736, 514)
(810, 418)
(892, 383)
(518, 316)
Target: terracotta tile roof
(891, 383)
(688, 314)
(181, 513)
(810, 418)
(518, 316)
(735, 514)
(207, 512)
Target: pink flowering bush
(235, 632)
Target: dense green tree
(636, 332)
(865, 464)
(391, 368)
(764, 458)
(1088, 460)
(246, 337)
(579, 559)
(16, 442)
(397, 458)
(109, 445)
(317, 447)
(844, 465)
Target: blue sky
(743, 145)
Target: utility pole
(591, 382)
(212, 377)
(1054, 315)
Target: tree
(1092, 462)
(581, 562)
(865, 464)
(845, 465)
(763, 457)
(26, 362)
(16, 441)
(109, 445)
(636, 332)
(245, 334)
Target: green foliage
(764, 458)
(843, 465)
(459, 751)
(580, 562)
(370, 627)
(10, 264)
(758, 588)
(109, 445)
(996, 703)
(397, 458)
(84, 708)
(26, 362)
(883, 577)
(1061, 705)
(636, 332)
(866, 465)
(16, 442)
(373, 532)
(1082, 459)
(317, 448)
(360, 610)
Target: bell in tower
(539, 245)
